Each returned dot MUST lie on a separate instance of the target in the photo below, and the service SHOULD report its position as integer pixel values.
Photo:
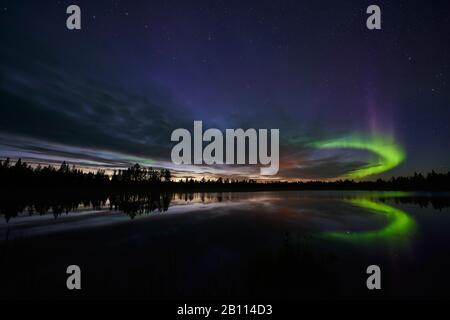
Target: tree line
(24, 176)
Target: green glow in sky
(389, 153)
(399, 227)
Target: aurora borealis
(349, 102)
(399, 225)
(389, 154)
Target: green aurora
(389, 153)
(400, 226)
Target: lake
(292, 244)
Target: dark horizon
(23, 176)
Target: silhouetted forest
(20, 175)
(139, 190)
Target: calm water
(228, 245)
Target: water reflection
(226, 245)
(299, 208)
(139, 204)
(132, 204)
(399, 226)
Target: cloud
(62, 109)
(326, 168)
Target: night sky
(111, 93)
